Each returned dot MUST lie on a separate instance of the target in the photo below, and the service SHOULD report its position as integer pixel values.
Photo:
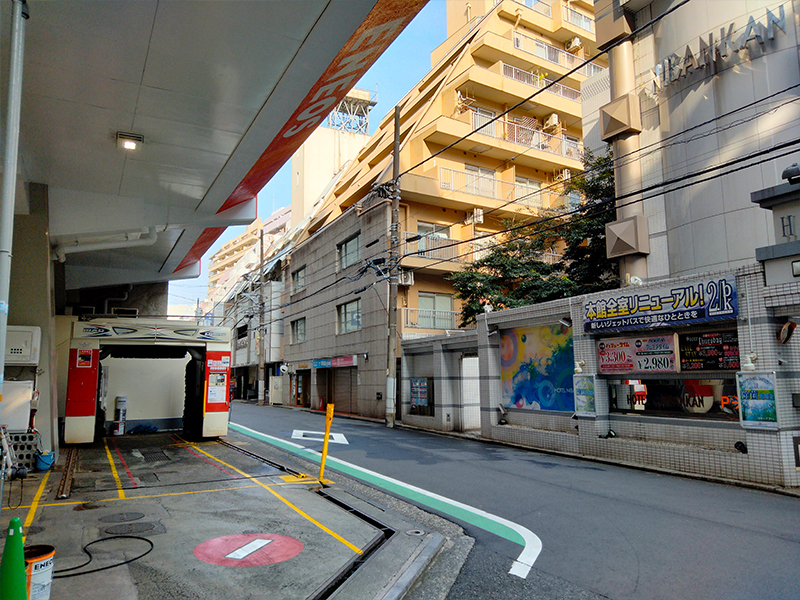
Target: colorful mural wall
(536, 367)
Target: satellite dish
(636, 280)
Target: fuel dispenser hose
(56, 574)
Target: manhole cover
(154, 455)
(122, 517)
(33, 529)
(130, 528)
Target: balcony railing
(578, 18)
(542, 8)
(482, 249)
(554, 55)
(433, 319)
(520, 194)
(528, 136)
(534, 80)
(436, 248)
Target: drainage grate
(154, 455)
(384, 533)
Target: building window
(436, 311)
(572, 147)
(527, 192)
(299, 331)
(299, 280)
(483, 118)
(241, 337)
(349, 251)
(431, 233)
(479, 181)
(686, 398)
(349, 316)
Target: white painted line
(319, 436)
(248, 549)
(532, 545)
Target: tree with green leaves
(584, 259)
(518, 269)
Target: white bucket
(39, 571)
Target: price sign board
(717, 351)
(653, 354)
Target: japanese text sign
(653, 354)
(683, 304)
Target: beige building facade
(692, 367)
(475, 149)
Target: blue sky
(403, 64)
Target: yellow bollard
(328, 421)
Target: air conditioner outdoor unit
(574, 44)
(551, 121)
(405, 278)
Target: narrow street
(605, 531)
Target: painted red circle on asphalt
(248, 549)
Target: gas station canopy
(217, 95)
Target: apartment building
(457, 188)
(256, 319)
(691, 366)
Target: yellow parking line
(354, 548)
(114, 470)
(34, 505)
(134, 498)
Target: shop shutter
(345, 390)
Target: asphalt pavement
(155, 516)
(605, 531)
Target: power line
(662, 184)
(548, 86)
(598, 208)
(641, 154)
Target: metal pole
(394, 242)
(262, 330)
(7, 201)
(328, 420)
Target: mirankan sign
(711, 50)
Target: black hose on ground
(89, 554)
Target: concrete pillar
(31, 302)
(628, 171)
(489, 366)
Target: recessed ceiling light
(129, 141)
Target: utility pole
(19, 13)
(261, 322)
(394, 243)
